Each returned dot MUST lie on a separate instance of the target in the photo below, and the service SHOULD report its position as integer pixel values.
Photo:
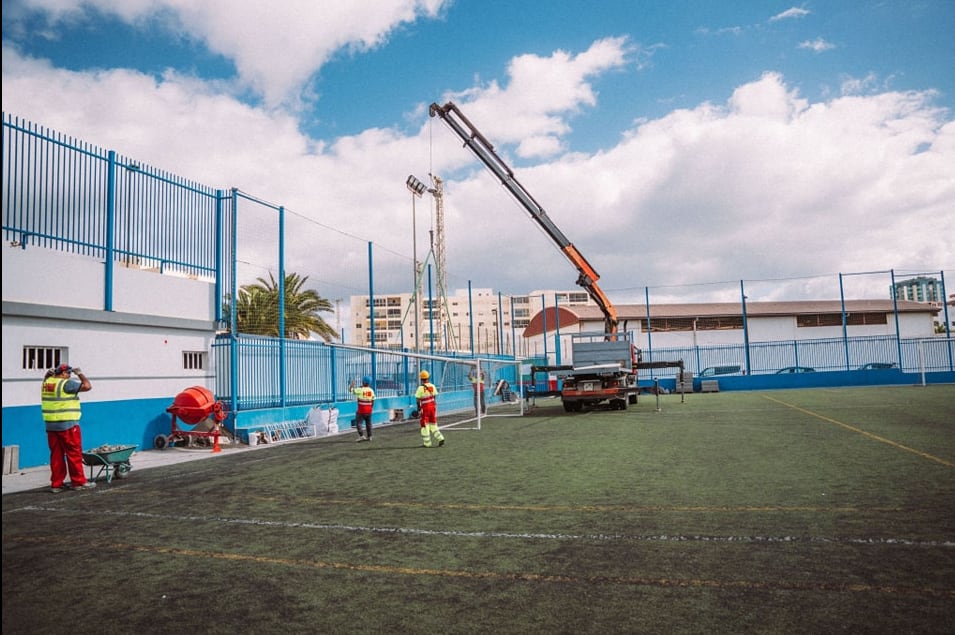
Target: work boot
(360, 438)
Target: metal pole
(544, 318)
(845, 321)
(895, 309)
(500, 324)
(371, 303)
(430, 312)
(646, 293)
(414, 255)
(948, 331)
(556, 330)
(742, 293)
(471, 317)
(514, 328)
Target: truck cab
(603, 372)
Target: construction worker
(366, 404)
(428, 411)
(60, 404)
(477, 377)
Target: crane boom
(484, 151)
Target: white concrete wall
(46, 276)
(122, 362)
(133, 352)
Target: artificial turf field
(797, 511)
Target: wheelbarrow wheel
(122, 470)
(161, 442)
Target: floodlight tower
(440, 257)
(417, 189)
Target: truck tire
(632, 398)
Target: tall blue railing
(64, 194)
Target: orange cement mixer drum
(194, 404)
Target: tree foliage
(257, 309)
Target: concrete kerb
(39, 477)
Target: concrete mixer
(193, 406)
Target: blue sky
(681, 146)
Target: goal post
(464, 400)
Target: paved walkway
(39, 477)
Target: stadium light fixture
(416, 186)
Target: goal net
(470, 391)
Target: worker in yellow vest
(60, 402)
(428, 411)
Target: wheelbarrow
(111, 460)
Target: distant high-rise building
(920, 289)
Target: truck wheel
(632, 398)
(568, 406)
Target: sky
(686, 148)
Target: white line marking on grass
(876, 437)
(517, 535)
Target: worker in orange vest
(366, 405)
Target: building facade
(479, 320)
(920, 289)
(689, 326)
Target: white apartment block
(479, 320)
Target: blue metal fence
(64, 194)
(832, 354)
(320, 373)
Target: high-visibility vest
(425, 394)
(477, 378)
(56, 404)
(366, 399)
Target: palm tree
(257, 309)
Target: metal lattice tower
(439, 245)
(440, 255)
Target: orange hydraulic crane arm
(484, 151)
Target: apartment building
(479, 320)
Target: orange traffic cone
(215, 444)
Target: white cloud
(541, 93)
(272, 59)
(818, 45)
(791, 13)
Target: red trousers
(429, 414)
(66, 454)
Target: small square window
(194, 360)
(43, 357)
